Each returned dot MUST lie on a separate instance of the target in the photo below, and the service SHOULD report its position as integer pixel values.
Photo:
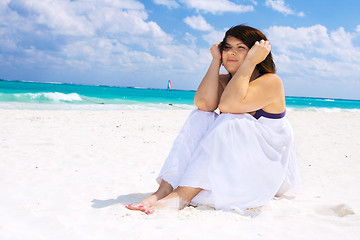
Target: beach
(68, 174)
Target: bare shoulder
(273, 89)
(270, 81)
(271, 78)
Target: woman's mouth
(232, 60)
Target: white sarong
(239, 162)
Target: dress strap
(261, 113)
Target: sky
(133, 43)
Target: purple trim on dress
(261, 113)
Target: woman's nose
(232, 51)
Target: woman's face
(234, 53)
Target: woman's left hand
(258, 52)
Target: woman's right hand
(259, 51)
(215, 51)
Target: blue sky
(316, 44)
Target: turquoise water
(33, 95)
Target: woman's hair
(249, 36)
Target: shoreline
(69, 174)
(138, 107)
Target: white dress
(240, 162)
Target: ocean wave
(44, 97)
(57, 96)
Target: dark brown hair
(249, 36)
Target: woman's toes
(147, 210)
(133, 206)
(130, 206)
(150, 211)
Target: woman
(243, 157)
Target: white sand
(69, 174)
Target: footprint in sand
(340, 210)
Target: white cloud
(58, 16)
(315, 39)
(217, 6)
(214, 36)
(280, 6)
(190, 39)
(125, 21)
(169, 3)
(313, 56)
(76, 18)
(358, 28)
(198, 23)
(254, 2)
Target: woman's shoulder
(272, 76)
(270, 85)
(269, 80)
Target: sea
(59, 96)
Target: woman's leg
(193, 131)
(180, 155)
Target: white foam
(56, 96)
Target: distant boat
(169, 85)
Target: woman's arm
(207, 94)
(240, 96)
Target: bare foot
(146, 203)
(176, 200)
(171, 202)
(164, 190)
